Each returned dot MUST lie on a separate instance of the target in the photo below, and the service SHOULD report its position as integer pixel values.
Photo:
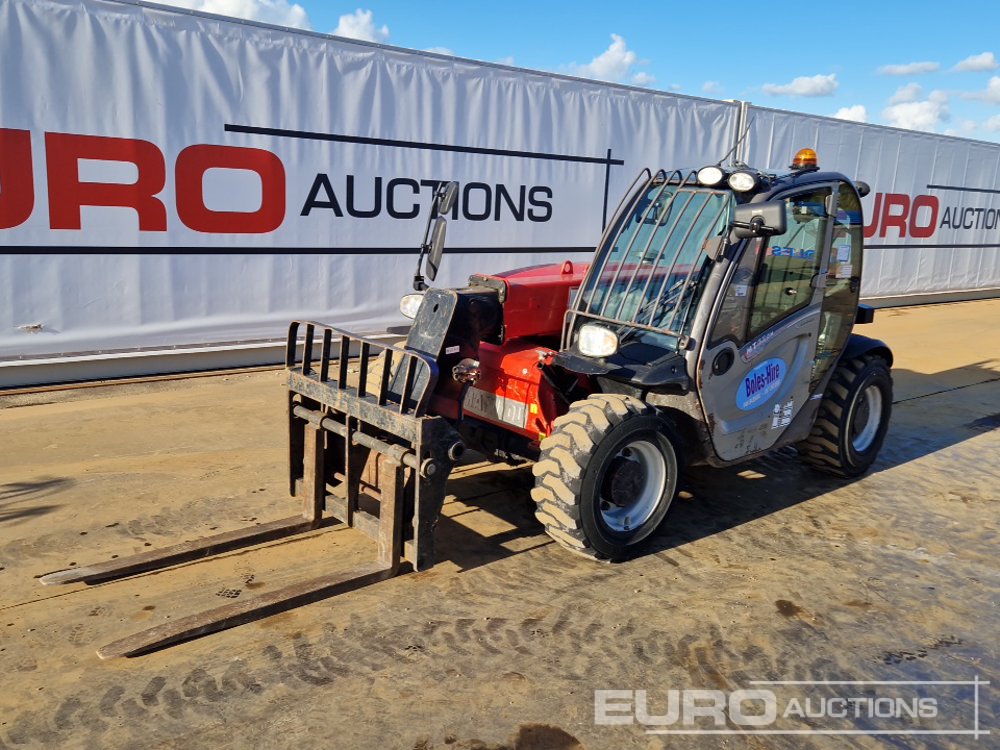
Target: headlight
(597, 341)
(742, 182)
(410, 304)
(709, 176)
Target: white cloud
(642, 78)
(909, 93)
(857, 113)
(509, 60)
(711, 87)
(991, 94)
(615, 64)
(804, 86)
(993, 123)
(440, 51)
(985, 61)
(964, 128)
(279, 12)
(909, 69)
(919, 115)
(361, 25)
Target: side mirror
(433, 245)
(760, 219)
(437, 247)
(446, 196)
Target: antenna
(739, 141)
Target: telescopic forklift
(714, 324)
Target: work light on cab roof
(743, 181)
(740, 181)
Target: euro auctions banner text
(932, 219)
(170, 179)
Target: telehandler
(714, 324)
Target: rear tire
(852, 420)
(606, 476)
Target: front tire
(853, 418)
(606, 476)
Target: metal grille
(382, 374)
(647, 272)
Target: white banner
(933, 215)
(169, 180)
(226, 177)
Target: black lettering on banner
(544, 206)
(467, 201)
(517, 211)
(402, 199)
(431, 185)
(376, 208)
(322, 182)
(390, 200)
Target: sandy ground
(766, 572)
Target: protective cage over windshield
(648, 272)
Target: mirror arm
(419, 285)
(756, 228)
(444, 199)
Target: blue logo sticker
(760, 383)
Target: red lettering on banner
(903, 213)
(68, 194)
(896, 220)
(17, 185)
(926, 230)
(194, 161)
(870, 229)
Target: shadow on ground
(14, 496)
(716, 500)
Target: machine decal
(757, 345)
(759, 383)
(781, 415)
(496, 408)
(752, 350)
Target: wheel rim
(866, 419)
(632, 486)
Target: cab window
(790, 261)
(843, 282)
(734, 311)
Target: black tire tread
(564, 454)
(821, 450)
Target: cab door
(756, 369)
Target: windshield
(650, 272)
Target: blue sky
(917, 65)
